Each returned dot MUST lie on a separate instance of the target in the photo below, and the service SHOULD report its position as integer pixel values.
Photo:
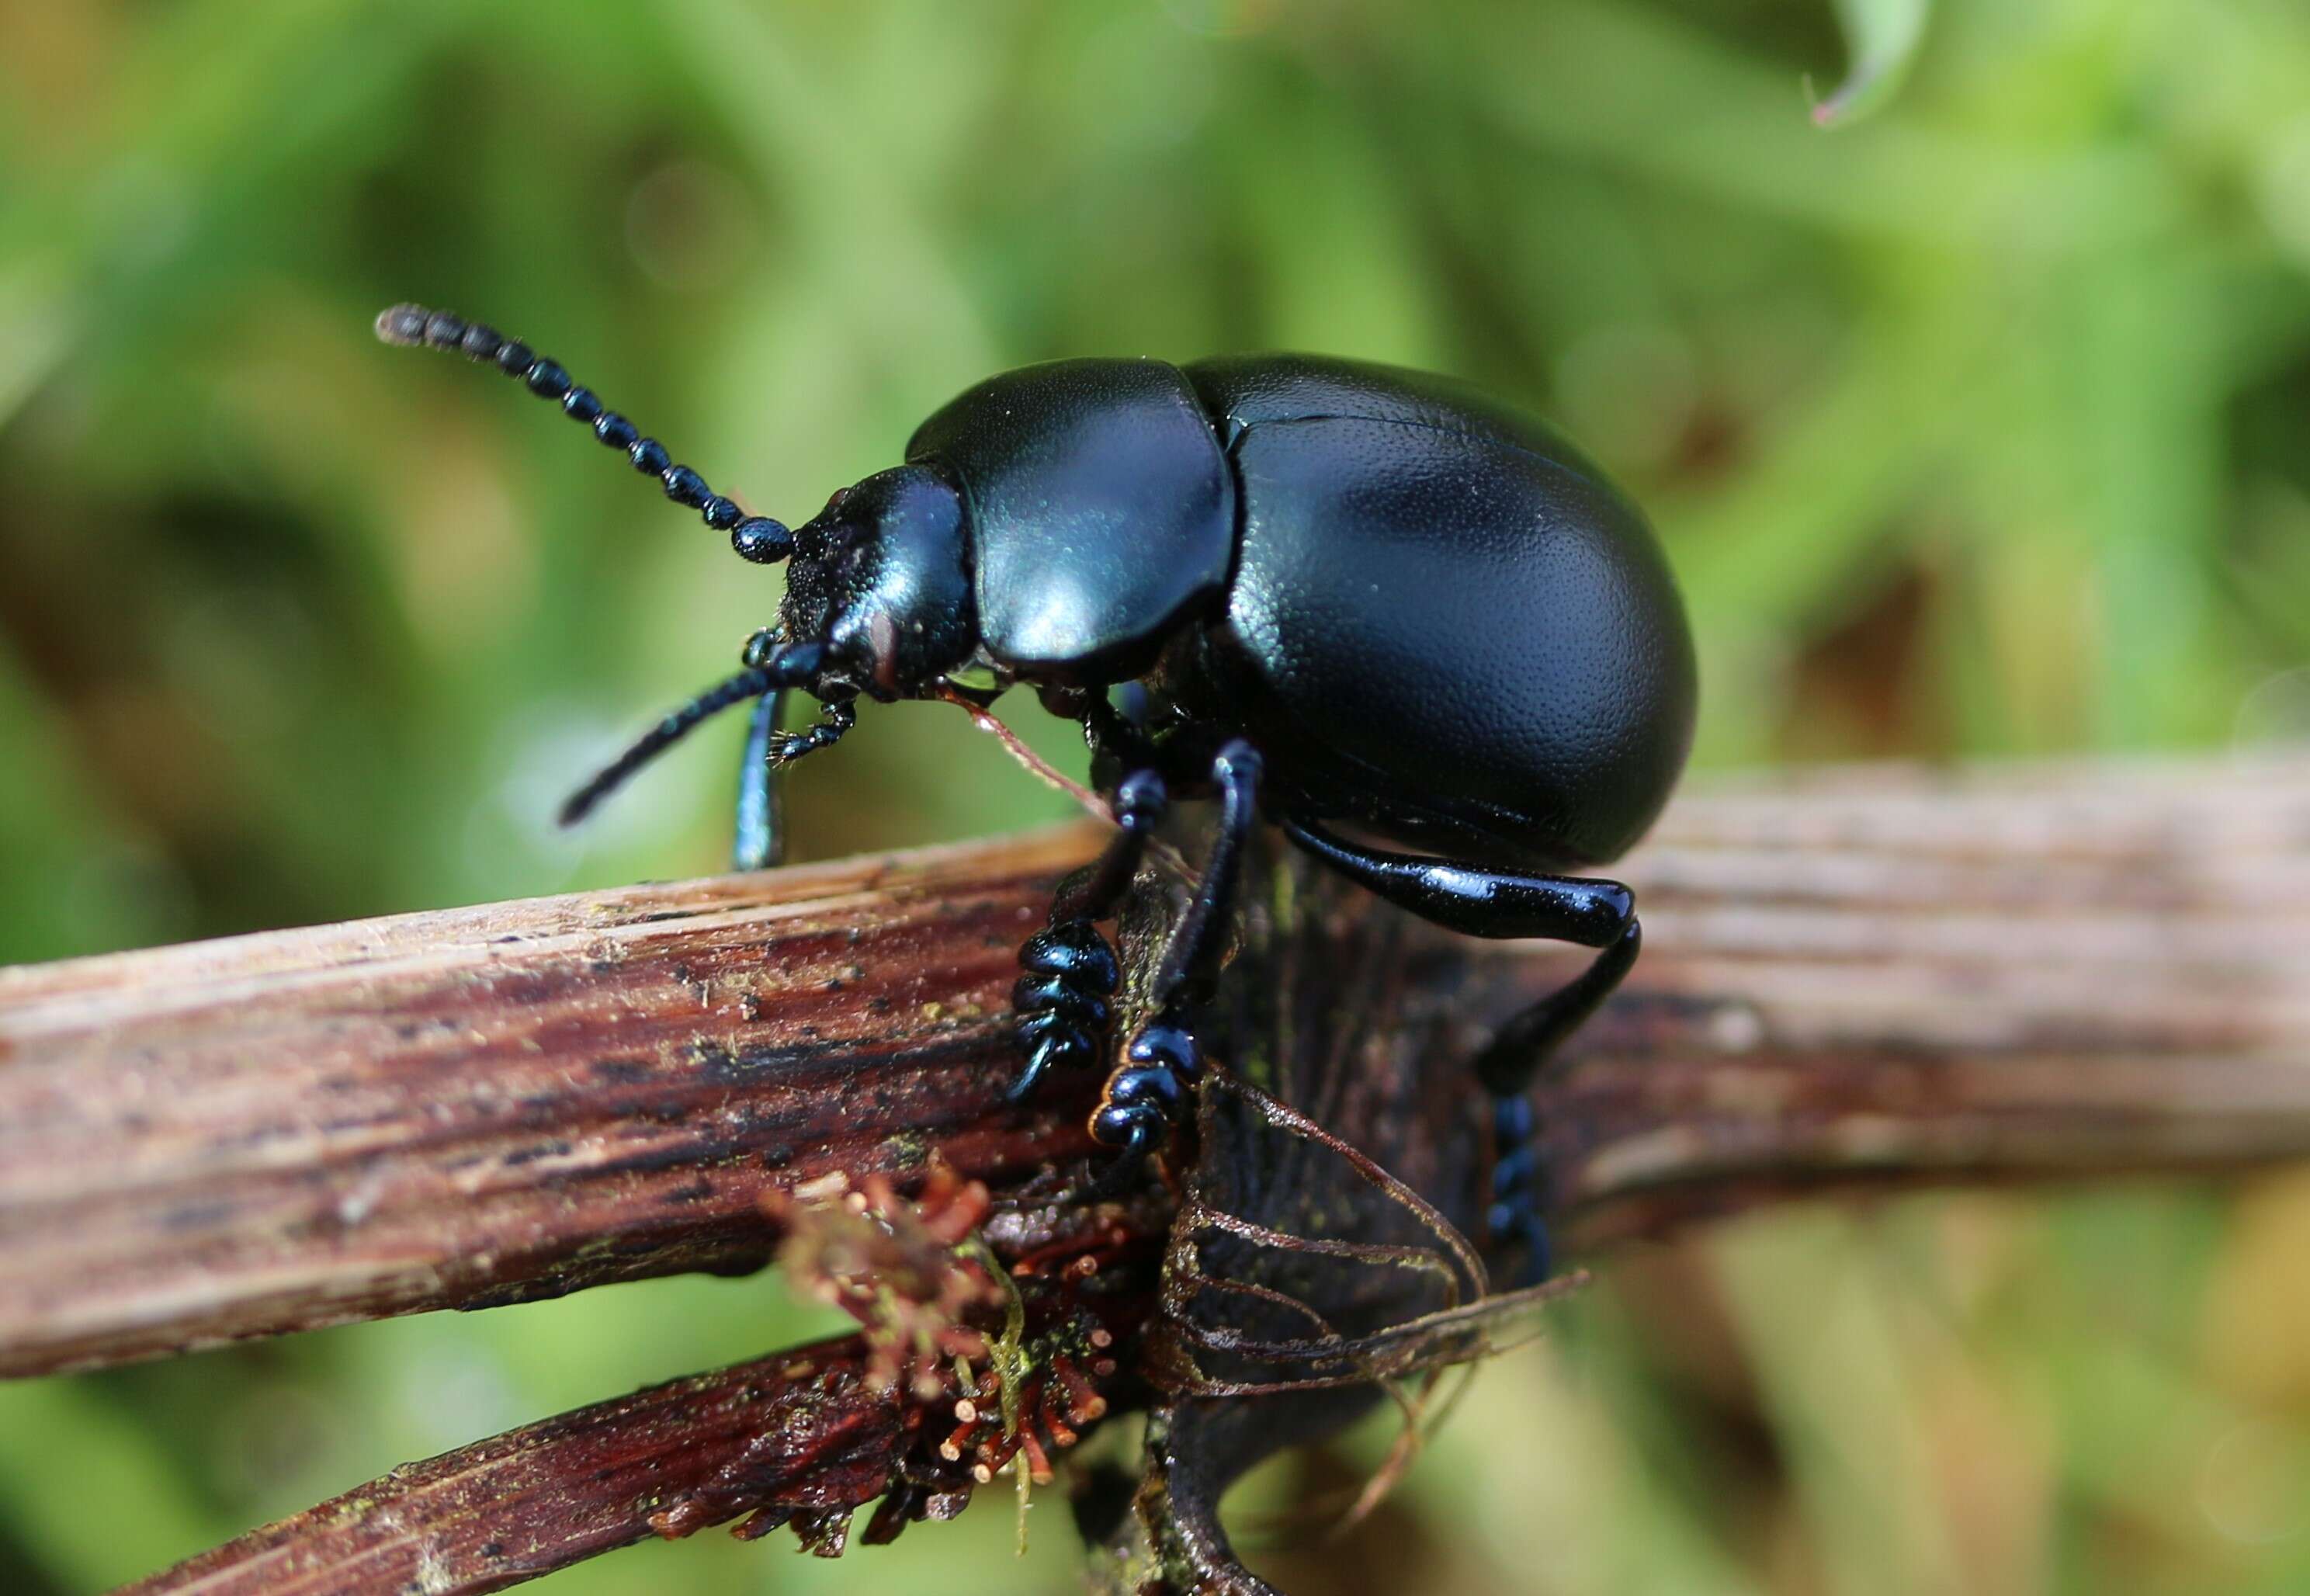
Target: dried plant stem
(1888, 977)
(672, 1458)
(1864, 976)
(456, 1109)
(1860, 976)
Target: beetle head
(881, 579)
(878, 600)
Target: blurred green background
(1979, 427)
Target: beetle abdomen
(1441, 630)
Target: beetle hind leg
(1481, 901)
(1516, 1055)
(1509, 1064)
(1513, 1214)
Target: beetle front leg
(760, 842)
(1148, 1091)
(1069, 969)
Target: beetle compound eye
(416, 327)
(882, 650)
(759, 648)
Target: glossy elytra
(1325, 591)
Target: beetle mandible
(1327, 591)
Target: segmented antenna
(757, 538)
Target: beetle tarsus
(1068, 969)
(1513, 1216)
(834, 723)
(1068, 972)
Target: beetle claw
(1146, 1133)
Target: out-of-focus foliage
(1979, 427)
(1881, 36)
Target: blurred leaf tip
(1881, 38)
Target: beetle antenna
(793, 665)
(757, 538)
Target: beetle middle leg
(1162, 1062)
(1481, 901)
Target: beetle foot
(1514, 1216)
(1145, 1098)
(1061, 999)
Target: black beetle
(1329, 591)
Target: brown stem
(1883, 976)
(803, 1438)
(482, 1106)
(1856, 977)
(799, 1430)
(1874, 975)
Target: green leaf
(1883, 35)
